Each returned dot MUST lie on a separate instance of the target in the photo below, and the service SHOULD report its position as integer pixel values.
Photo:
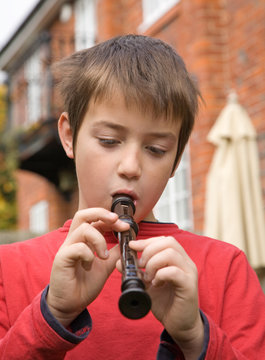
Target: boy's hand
(83, 263)
(171, 281)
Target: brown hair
(147, 71)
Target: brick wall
(222, 44)
(224, 49)
(118, 17)
(247, 64)
(33, 188)
(198, 30)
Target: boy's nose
(130, 163)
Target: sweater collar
(146, 230)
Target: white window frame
(39, 217)
(153, 10)
(175, 204)
(33, 70)
(85, 24)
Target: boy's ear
(65, 134)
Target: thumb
(114, 255)
(118, 265)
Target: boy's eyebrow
(108, 124)
(163, 135)
(167, 134)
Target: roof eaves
(39, 18)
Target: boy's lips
(127, 192)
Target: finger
(114, 255)
(101, 219)
(118, 265)
(160, 242)
(87, 234)
(152, 246)
(170, 274)
(117, 226)
(71, 254)
(93, 215)
(165, 258)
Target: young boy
(130, 106)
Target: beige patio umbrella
(234, 209)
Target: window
(175, 202)
(39, 217)
(33, 78)
(85, 24)
(153, 10)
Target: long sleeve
(168, 349)
(230, 296)
(32, 336)
(240, 332)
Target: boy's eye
(108, 141)
(156, 150)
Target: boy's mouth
(129, 193)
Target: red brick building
(222, 43)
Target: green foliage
(7, 185)
(8, 164)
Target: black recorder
(134, 302)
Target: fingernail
(140, 262)
(113, 215)
(124, 224)
(106, 253)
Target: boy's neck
(150, 217)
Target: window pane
(85, 24)
(33, 78)
(175, 203)
(154, 9)
(39, 217)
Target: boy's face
(120, 150)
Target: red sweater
(229, 293)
